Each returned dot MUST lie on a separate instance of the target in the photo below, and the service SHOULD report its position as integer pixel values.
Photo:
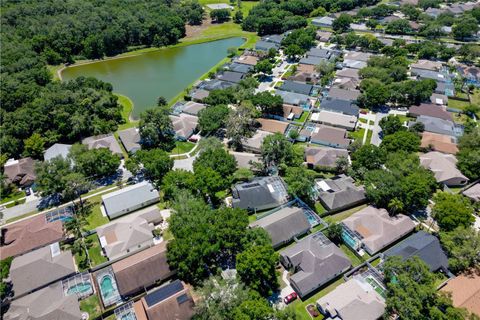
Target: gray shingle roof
(260, 194)
(231, 76)
(436, 125)
(239, 67)
(130, 139)
(297, 87)
(58, 149)
(292, 97)
(265, 45)
(312, 60)
(339, 105)
(339, 192)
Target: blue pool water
(80, 288)
(106, 286)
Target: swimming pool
(108, 287)
(79, 284)
(79, 288)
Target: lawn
(362, 120)
(127, 107)
(303, 118)
(345, 214)
(92, 306)
(182, 147)
(94, 252)
(357, 134)
(299, 305)
(15, 195)
(319, 208)
(457, 104)
(351, 255)
(369, 136)
(95, 218)
(16, 202)
(475, 97)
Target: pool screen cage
(76, 281)
(63, 214)
(125, 312)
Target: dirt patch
(193, 31)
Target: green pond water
(145, 77)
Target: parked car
(28, 192)
(291, 297)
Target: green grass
(369, 136)
(95, 254)
(362, 120)
(127, 108)
(15, 203)
(22, 216)
(475, 97)
(351, 255)
(457, 104)
(303, 117)
(182, 147)
(404, 118)
(92, 306)
(319, 208)
(167, 235)
(376, 262)
(345, 214)
(95, 218)
(357, 134)
(15, 195)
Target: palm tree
(77, 227)
(395, 206)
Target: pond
(166, 72)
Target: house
(342, 94)
(142, 270)
(357, 56)
(261, 193)
(312, 60)
(107, 141)
(254, 143)
(130, 139)
(44, 304)
(199, 94)
(57, 150)
(428, 74)
(354, 64)
(128, 234)
(306, 68)
(423, 245)
(439, 142)
(323, 36)
(444, 168)
(20, 172)
(171, 301)
(314, 261)
(339, 193)
(310, 78)
(346, 83)
(29, 234)
(340, 106)
(465, 291)
(470, 73)
(440, 126)
(329, 136)
(323, 156)
(374, 229)
(348, 73)
(184, 125)
(439, 99)
(284, 225)
(434, 12)
(386, 20)
(262, 45)
(247, 59)
(322, 53)
(245, 160)
(326, 22)
(129, 199)
(295, 99)
(297, 87)
(291, 112)
(39, 268)
(431, 110)
(335, 119)
(353, 300)
(275, 38)
(239, 67)
(214, 84)
(273, 126)
(190, 107)
(473, 192)
(218, 6)
(426, 65)
(231, 76)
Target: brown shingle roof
(21, 172)
(465, 291)
(273, 126)
(431, 110)
(439, 142)
(307, 68)
(24, 236)
(287, 109)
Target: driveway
(376, 140)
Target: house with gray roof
(473, 192)
(314, 261)
(444, 168)
(323, 21)
(130, 139)
(297, 87)
(440, 126)
(323, 156)
(335, 119)
(184, 125)
(339, 193)
(239, 67)
(254, 143)
(214, 84)
(348, 73)
(295, 99)
(262, 45)
(39, 268)
(321, 53)
(244, 159)
(284, 225)
(353, 300)
(45, 304)
(57, 150)
(129, 199)
(104, 141)
(275, 38)
(424, 246)
(129, 233)
(231, 76)
(192, 108)
(329, 136)
(261, 193)
(311, 60)
(337, 93)
(340, 106)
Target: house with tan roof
(343, 94)
(273, 126)
(107, 141)
(140, 271)
(465, 291)
(335, 119)
(373, 229)
(247, 59)
(329, 136)
(184, 125)
(426, 65)
(439, 142)
(348, 73)
(323, 156)
(473, 192)
(431, 110)
(291, 112)
(444, 168)
(20, 172)
(129, 234)
(29, 234)
(306, 68)
(254, 143)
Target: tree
(253, 310)
(75, 184)
(240, 124)
(325, 67)
(374, 93)
(462, 246)
(161, 101)
(256, 268)
(341, 165)
(238, 18)
(334, 232)
(94, 163)
(401, 141)
(293, 50)
(268, 103)
(176, 180)
(243, 174)
(50, 176)
(156, 163)
(156, 130)
(220, 15)
(452, 211)
(391, 124)
(300, 182)
(369, 157)
(342, 23)
(34, 146)
(276, 150)
(469, 154)
(219, 160)
(264, 66)
(465, 28)
(400, 26)
(212, 118)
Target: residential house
(431, 110)
(142, 270)
(284, 225)
(326, 22)
(291, 112)
(274, 38)
(306, 68)
(356, 59)
(444, 168)
(240, 67)
(337, 93)
(353, 300)
(339, 193)
(44, 304)
(423, 245)
(245, 160)
(329, 136)
(470, 73)
(346, 83)
(57, 150)
(434, 12)
(20, 172)
(473, 192)
(171, 301)
(440, 126)
(373, 229)
(129, 234)
(323, 36)
(309, 78)
(426, 65)
(323, 156)
(26, 235)
(219, 6)
(321, 53)
(295, 99)
(445, 88)
(199, 95)
(214, 84)
(37, 269)
(247, 59)
(184, 125)
(273, 126)
(130, 139)
(107, 141)
(465, 291)
(348, 73)
(439, 142)
(314, 261)
(190, 107)
(297, 87)
(129, 199)
(262, 45)
(335, 119)
(428, 74)
(386, 20)
(439, 99)
(231, 76)
(340, 106)
(312, 60)
(254, 143)
(261, 193)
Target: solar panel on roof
(183, 298)
(163, 293)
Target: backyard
(182, 147)
(95, 253)
(91, 305)
(95, 218)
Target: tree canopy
(155, 128)
(452, 211)
(469, 154)
(462, 246)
